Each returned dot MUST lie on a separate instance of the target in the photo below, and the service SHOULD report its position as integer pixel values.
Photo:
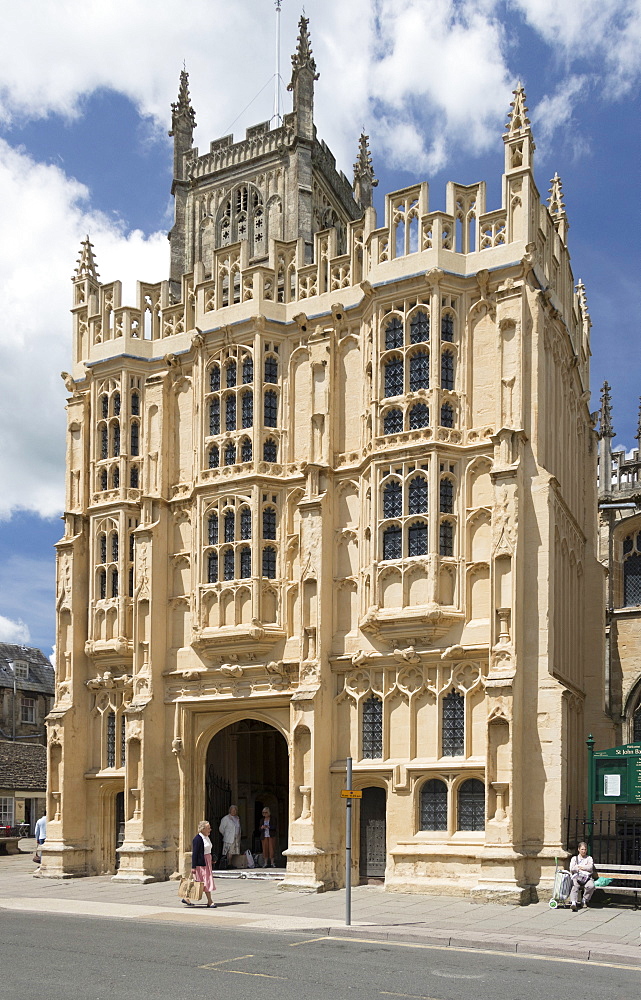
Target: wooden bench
(622, 873)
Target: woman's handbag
(189, 889)
(582, 877)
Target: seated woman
(582, 872)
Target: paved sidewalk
(608, 934)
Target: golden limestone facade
(331, 492)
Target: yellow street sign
(346, 793)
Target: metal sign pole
(348, 847)
(591, 790)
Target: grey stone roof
(23, 766)
(41, 673)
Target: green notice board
(617, 774)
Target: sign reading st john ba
(616, 774)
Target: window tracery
(372, 733)
(632, 570)
(471, 805)
(453, 735)
(433, 805)
(246, 450)
(447, 415)
(270, 451)
(404, 500)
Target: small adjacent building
(26, 692)
(23, 783)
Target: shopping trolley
(562, 886)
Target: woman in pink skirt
(201, 863)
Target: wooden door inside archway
(373, 833)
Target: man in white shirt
(41, 830)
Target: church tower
(331, 494)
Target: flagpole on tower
(277, 114)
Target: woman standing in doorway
(201, 862)
(267, 836)
(230, 829)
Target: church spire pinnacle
(556, 206)
(605, 423)
(86, 263)
(364, 179)
(181, 110)
(302, 83)
(519, 143)
(517, 119)
(303, 58)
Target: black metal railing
(613, 839)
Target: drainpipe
(13, 727)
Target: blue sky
(84, 113)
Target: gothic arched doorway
(248, 764)
(373, 836)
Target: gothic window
(419, 416)
(393, 377)
(245, 523)
(417, 495)
(212, 529)
(453, 725)
(417, 539)
(104, 403)
(446, 539)
(248, 408)
(269, 522)
(111, 739)
(269, 562)
(212, 568)
(214, 416)
(628, 544)
(447, 415)
(392, 499)
(394, 333)
(372, 728)
(117, 404)
(114, 583)
(104, 443)
(102, 584)
(123, 740)
(419, 371)
(246, 450)
(392, 542)
(419, 328)
(115, 478)
(103, 548)
(271, 409)
(446, 496)
(636, 726)
(230, 375)
(131, 583)
(135, 436)
(214, 457)
(103, 479)
(135, 404)
(248, 371)
(632, 580)
(393, 422)
(434, 805)
(134, 477)
(229, 525)
(471, 805)
(214, 379)
(271, 370)
(447, 370)
(228, 564)
(230, 413)
(132, 546)
(447, 327)
(230, 453)
(245, 562)
(114, 547)
(270, 451)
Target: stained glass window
(632, 581)
(214, 379)
(394, 377)
(103, 479)
(393, 422)
(245, 562)
(447, 370)
(229, 529)
(134, 478)
(135, 404)
(419, 371)
(104, 402)
(214, 416)
(230, 453)
(447, 327)
(114, 583)
(132, 546)
(212, 568)
(230, 413)
(214, 457)
(135, 438)
(392, 543)
(269, 562)
(269, 522)
(417, 495)
(419, 416)
(447, 496)
(419, 328)
(102, 584)
(246, 450)
(471, 805)
(453, 725)
(394, 333)
(103, 548)
(248, 409)
(245, 523)
(434, 805)
(114, 547)
(372, 728)
(230, 374)
(270, 451)
(446, 539)
(104, 443)
(131, 583)
(115, 476)
(271, 370)
(111, 739)
(117, 404)
(392, 499)
(248, 370)
(271, 409)
(228, 564)
(447, 415)
(417, 539)
(212, 530)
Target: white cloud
(13, 632)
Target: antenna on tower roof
(277, 117)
